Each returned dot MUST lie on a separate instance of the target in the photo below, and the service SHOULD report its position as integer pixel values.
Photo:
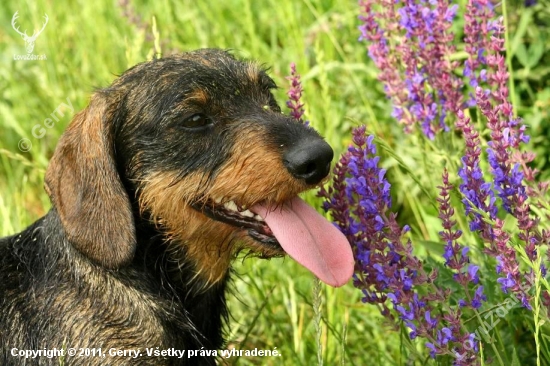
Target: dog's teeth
(231, 206)
(258, 218)
(218, 200)
(247, 213)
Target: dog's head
(210, 159)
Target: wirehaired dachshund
(155, 187)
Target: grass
(88, 43)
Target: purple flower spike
(386, 269)
(411, 44)
(295, 95)
(456, 255)
(476, 31)
(427, 89)
(485, 44)
(474, 188)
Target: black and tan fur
(130, 255)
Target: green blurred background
(88, 43)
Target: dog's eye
(197, 121)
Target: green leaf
(433, 246)
(524, 21)
(535, 53)
(515, 359)
(521, 54)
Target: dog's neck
(155, 272)
(205, 305)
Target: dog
(180, 164)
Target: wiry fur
(125, 258)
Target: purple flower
(508, 180)
(362, 201)
(295, 94)
(478, 298)
(455, 254)
(476, 30)
(472, 272)
(485, 39)
(427, 88)
(506, 283)
(405, 315)
(478, 193)
(433, 350)
(431, 322)
(386, 269)
(410, 43)
(507, 262)
(444, 336)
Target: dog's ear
(85, 188)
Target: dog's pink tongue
(311, 240)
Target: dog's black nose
(309, 160)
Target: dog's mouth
(238, 216)
(291, 227)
